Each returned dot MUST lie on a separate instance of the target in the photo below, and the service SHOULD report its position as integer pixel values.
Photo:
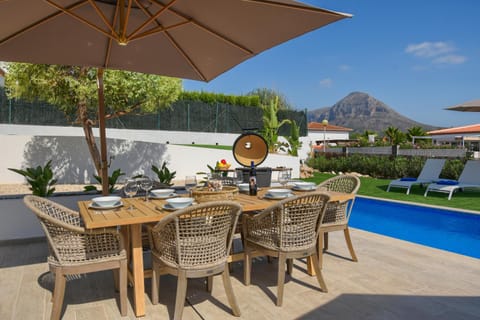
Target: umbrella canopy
(469, 106)
(193, 39)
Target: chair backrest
(470, 173)
(346, 183)
(61, 226)
(197, 236)
(431, 169)
(291, 224)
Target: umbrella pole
(103, 136)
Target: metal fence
(396, 151)
(181, 116)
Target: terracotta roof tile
(330, 127)
(473, 128)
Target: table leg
(137, 266)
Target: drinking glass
(238, 177)
(145, 184)
(130, 189)
(284, 177)
(190, 183)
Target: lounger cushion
(408, 179)
(447, 182)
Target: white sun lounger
(469, 178)
(430, 172)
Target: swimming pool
(443, 229)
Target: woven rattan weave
(75, 250)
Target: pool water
(442, 229)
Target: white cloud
(450, 59)
(327, 83)
(438, 52)
(429, 49)
(344, 67)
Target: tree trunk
(91, 143)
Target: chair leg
(181, 294)
(209, 283)
(320, 245)
(289, 266)
(281, 278)
(155, 282)
(346, 232)
(58, 293)
(325, 240)
(247, 265)
(318, 273)
(229, 291)
(123, 278)
(116, 279)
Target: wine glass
(238, 177)
(145, 184)
(190, 183)
(284, 177)
(130, 189)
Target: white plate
(304, 189)
(269, 196)
(93, 205)
(168, 207)
(171, 195)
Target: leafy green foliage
(40, 179)
(271, 125)
(294, 139)
(381, 166)
(211, 98)
(266, 95)
(164, 174)
(112, 181)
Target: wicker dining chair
(286, 230)
(194, 242)
(75, 250)
(337, 214)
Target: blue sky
(417, 56)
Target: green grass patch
(209, 146)
(467, 199)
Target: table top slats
(151, 211)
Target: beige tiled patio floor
(392, 280)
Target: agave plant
(40, 179)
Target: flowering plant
(222, 165)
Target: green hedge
(381, 166)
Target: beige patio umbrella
(193, 39)
(469, 106)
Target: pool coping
(421, 204)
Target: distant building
(465, 136)
(317, 133)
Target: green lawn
(209, 146)
(468, 199)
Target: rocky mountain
(360, 111)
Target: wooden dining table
(143, 212)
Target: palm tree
(394, 135)
(415, 131)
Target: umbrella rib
(86, 22)
(151, 18)
(216, 34)
(298, 6)
(102, 16)
(186, 57)
(110, 40)
(158, 30)
(44, 20)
